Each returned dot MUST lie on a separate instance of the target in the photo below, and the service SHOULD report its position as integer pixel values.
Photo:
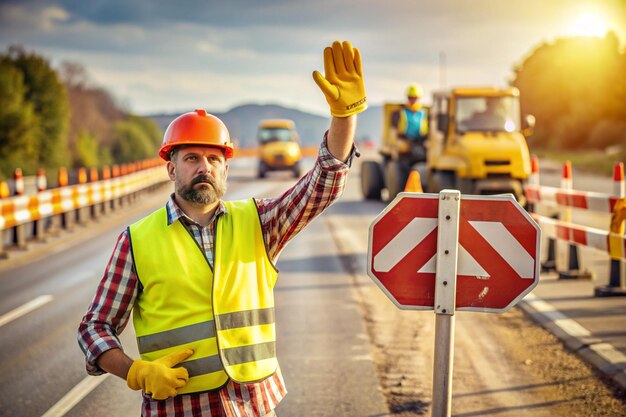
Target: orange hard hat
(196, 128)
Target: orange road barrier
(582, 235)
(612, 242)
(4, 190)
(62, 177)
(19, 210)
(93, 174)
(82, 175)
(106, 172)
(413, 183)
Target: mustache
(203, 178)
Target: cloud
(166, 55)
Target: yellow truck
(279, 147)
(476, 144)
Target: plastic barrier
(611, 242)
(60, 208)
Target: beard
(208, 192)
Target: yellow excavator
(476, 144)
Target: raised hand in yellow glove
(158, 377)
(342, 82)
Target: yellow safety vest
(225, 315)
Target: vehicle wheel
(441, 180)
(397, 174)
(371, 180)
(262, 170)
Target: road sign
(498, 252)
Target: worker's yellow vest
(226, 315)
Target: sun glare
(588, 24)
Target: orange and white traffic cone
(42, 182)
(413, 183)
(18, 181)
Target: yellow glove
(342, 82)
(158, 377)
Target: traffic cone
(413, 183)
(82, 175)
(62, 177)
(18, 181)
(42, 182)
(106, 172)
(617, 275)
(533, 178)
(93, 174)
(573, 265)
(619, 186)
(5, 191)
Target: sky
(172, 56)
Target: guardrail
(26, 217)
(559, 225)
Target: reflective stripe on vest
(175, 308)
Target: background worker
(198, 274)
(491, 118)
(411, 124)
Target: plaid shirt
(281, 219)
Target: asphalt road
(321, 333)
(344, 349)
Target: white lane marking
(566, 324)
(25, 309)
(507, 246)
(75, 395)
(403, 243)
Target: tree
(49, 100)
(576, 89)
(18, 123)
(132, 142)
(86, 154)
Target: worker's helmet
(196, 128)
(414, 90)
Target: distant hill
(242, 122)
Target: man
(491, 118)
(199, 273)
(411, 125)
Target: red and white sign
(498, 252)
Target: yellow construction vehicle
(279, 147)
(475, 144)
(399, 155)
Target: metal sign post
(420, 243)
(445, 300)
